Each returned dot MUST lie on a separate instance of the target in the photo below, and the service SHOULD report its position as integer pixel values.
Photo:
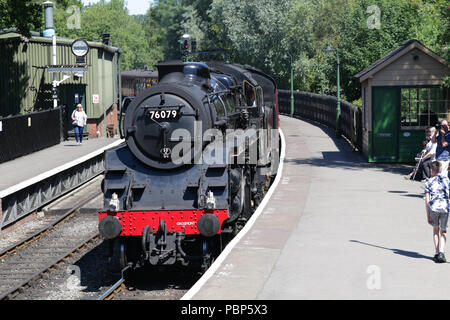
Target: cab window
(227, 103)
(220, 108)
(259, 97)
(249, 94)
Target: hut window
(421, 107)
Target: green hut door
(385, 124)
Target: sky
(134, 6)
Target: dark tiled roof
(385, 58)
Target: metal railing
(24, 134)
(322, 109)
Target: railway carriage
(200, 151)
(136, 81)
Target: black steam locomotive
(201, 150)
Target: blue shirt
(442, 154)
(437, 187)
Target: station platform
(335, 227)
(35, 179)
(31, 166)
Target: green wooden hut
(402, 94)
(26, 83)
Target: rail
(322, 109)
(68, 214)
(112, 292)
(13, 292)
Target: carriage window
(423, 106)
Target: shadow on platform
(407, 194)
(410, 254)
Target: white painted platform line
(221, 258)
(56, 170)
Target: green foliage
(110, 17)
(357, 103)
(27, 15)
(360, 46)
(24, 15)
(163, 28)
(255, 30)
(273, 35)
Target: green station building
(26, 83)
(402, 94)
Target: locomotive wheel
(207, 262)
(209, 254)
(129, 252)
(247, 209)
(122, 256)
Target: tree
(255, 30)
(110, 17)
(25, 15)
(360, 45)
(163, 28)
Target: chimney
(106, 38)
(49, 30)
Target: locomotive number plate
(163, 114)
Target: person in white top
(430, 153)
(79, 119)
(424, 158)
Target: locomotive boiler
(200, 151)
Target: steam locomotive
(201, 149)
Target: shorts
(439, 219)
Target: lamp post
(292, 90)
(291, 83)
(338, 94)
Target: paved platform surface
(336, 227)
(29, 166)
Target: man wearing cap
(442, 138)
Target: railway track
(152, 283)
(30, 259)
(35, 236)
(39, 266)
(112, 292)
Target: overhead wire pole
(338, 93)
(292, 90)
(338, 108)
